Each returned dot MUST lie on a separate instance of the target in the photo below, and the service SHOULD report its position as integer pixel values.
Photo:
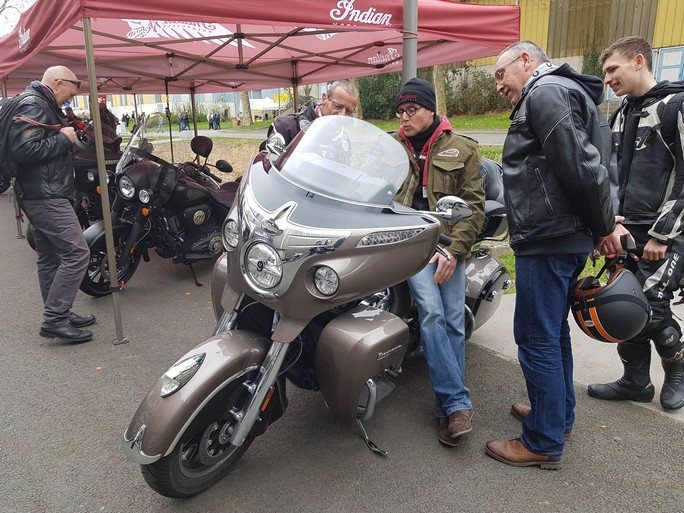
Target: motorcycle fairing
(160, 422)
(353, 348)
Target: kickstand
(194, 276)
(369, 443)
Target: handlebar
(445, 240)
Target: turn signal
(145, 212)
(98, 189)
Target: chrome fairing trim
(132, 449)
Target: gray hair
(534, 50)
(346, 86)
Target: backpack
(668, 120)
(8, 107)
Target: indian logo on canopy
(345, 12)
(158, 29)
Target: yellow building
(569, 30)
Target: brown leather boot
(513, 452)
(521, 411)
(443, 433)
(460, 423)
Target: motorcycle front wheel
(96, 281)
(203, 455)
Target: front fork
(260, 387)
(258, 390)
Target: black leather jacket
(555, 159)
(42, 152)
(290, 125)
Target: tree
(246, 108)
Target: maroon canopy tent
(220, 46)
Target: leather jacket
(651, 174)
(290, 125)
(42, 152)
(555, 159)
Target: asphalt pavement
(65, 407)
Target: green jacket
(453, 168)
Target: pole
(102, 173)
(193, 106)
(168, 116)
(409, 67)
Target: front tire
(203, 455)
(96, 281)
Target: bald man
(41, 143)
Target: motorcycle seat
(225, 195)
(492, 178)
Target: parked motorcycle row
(309, 288)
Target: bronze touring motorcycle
(310, 240)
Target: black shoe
(68, 333)
(81, 321)
(621, 390)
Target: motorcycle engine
(206, 240)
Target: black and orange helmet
(614, 312)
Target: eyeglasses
(499, 73)
(410, 111)
(77, 83)
(338, 107)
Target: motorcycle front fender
(159, 422)
(96, 231)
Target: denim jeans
(542, 333)
(441, 309)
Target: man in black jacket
(558, 204)
(648, 149)
(341, 99)
(41, 143)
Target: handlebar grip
(218, 179)
(445, 240)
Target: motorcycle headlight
(144, 196)
(231, 235)
(126, 187)
(181, 372)
(264, 266)
(90, 176)
(326, 280)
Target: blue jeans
(441, 309)
(540, 325)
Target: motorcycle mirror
(275, 146)
(452, 208)
(224, 166)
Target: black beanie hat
(418, 91)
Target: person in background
(651, 194)
(442, 163)
(341, 99)
(41, 143)
(74, 121)
(558, 204)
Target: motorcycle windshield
(345, 159)
(140, 145)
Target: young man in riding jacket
(341, 100)
(558, 204)
(442, 163)
(41, 143)
(651, 194)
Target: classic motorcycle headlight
(326, 280)
(181, 372)
(144, 196)
(90, 176)
(231, 234)
(126, 187)
(264, 266)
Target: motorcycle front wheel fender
(96, 231)
(160, 422)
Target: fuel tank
(188, 193)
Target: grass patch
(460, 123)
